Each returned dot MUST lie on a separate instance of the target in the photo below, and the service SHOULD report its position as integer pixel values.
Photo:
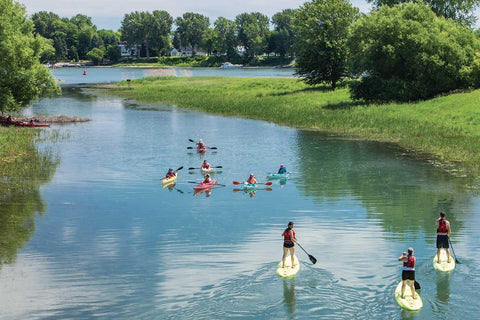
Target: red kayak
(24, 124)
(202, 185)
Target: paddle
(213, 148)
(265, 183)
(179, 169)
(312, 258)
(217, 167)
(453, 251)
(416, 285)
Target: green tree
(96, 55)
(407, 53)
(253, 32)
(48, 51)
(22, 78)
(284, 33)
(321, 43)
(226, 38)
(44, 23)
(109, 37)
(113, 53)
(459, 10)
(191, 29)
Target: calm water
(111, 243)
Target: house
(186, 52)
(127, 50)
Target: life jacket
(206, 165)
(251, 180)
(286, 235)
(170, 174)
(207, 181)
(442, 226)
(409, 264)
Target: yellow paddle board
(444, 265)
(408, 302)
(288, 271)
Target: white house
(126, 50)
(186, 52)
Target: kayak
(202, 185)
(249, 186)
(204, 171)
(278, 175)
(288, 271)
(443, 265)
(408, 302)
(24, 124)
(170, 180)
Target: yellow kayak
(170, 180)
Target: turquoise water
(113, 244)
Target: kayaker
(201, 144)
(251, 179)
(205, 165)
(443, 233)
(289, 240)
(282, 169)
(170, 173)
(408, 272)
(207, 179)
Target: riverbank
(443, 130)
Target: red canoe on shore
(24, 124)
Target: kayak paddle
(179, 169)
(312, 258)
(265, 183)
(213, 148)
(453, 251)
(217, 167)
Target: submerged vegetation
(445, 128)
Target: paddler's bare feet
(415, 297)
(450, 260)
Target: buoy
(84, 72)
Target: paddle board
(443, 265)
(408, 302)
(288, 271)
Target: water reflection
(443, 287)
(404, 194)
(20, 198)
(289, 294)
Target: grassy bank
(447, 128)
(14, 144)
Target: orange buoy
(84, 72)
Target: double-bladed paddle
(212, 148)
(217, 167)
(269, 183)
(312, 258)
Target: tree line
(402, 50)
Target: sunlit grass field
(446, 128)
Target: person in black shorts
(289, 240)
(443, 233)
(408, 272)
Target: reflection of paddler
(443, 287)
(289, 296)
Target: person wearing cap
(201, 144)
(408, 272)
(289, 240)
(170, 173)
(251, 179)
(207, 179)
(282, 169)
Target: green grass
(445, 128)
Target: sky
(108, 14)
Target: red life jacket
(286, 235)
(442, 226)
(170, 174)
(207, 181)
(206, 165)
(409, 263)
(251, 180)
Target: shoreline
(425, 129)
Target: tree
(459, 10)
(407, 53)
(96, 55)
(226, 38)
(22, 78)
(191, 29)
(284, 33)
(322, 31)
(44, 23)
(253, 32)
(113, 53)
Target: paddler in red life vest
(201, 144)
(443, 233)
(251, 179)
(207, 179)
(205, 165)
(408, 272)
(289, 241)
(170, 173)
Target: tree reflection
(20, 198)
(398, 191)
